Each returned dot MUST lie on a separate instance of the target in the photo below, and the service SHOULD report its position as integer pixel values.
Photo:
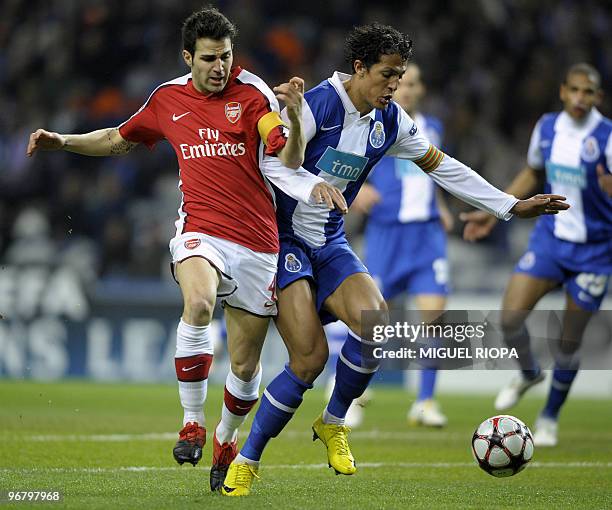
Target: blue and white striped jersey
(408, 194)
(569, 152)
(343, 146)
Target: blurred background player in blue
(405, 238)
(573, 148)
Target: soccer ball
(502, 445)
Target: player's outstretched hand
(45, 141)
(605, 180)
(539, 205)
(291, 94)
(325, 193)
(367, 197)
(478, 224)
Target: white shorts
(248, 278)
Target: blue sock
(354, 370)
(519, 339)
(560, 386)
(336, 334)
(280, 400)
(428, 383)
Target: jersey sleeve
(411, 142)
(270, 126)
(535, 159)
(298, 183)
(142, 127)
(452, 175)
(464, 183)
(272, 131)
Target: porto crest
(377, 135)
(590, 150)
(292, 263)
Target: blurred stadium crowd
(492, 67)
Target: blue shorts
(407, 257)
(327, 267)
(583, 268)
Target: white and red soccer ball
(502, 445)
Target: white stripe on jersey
(256, 81)
(309, 221)
(565, 150)
(180, 222)
(181, 80)
(417, 194)
(417, 187)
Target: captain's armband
(430, 160)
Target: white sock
(193, 395)
(241, 459)
(330, 419)
(227, 429)
(193, 341)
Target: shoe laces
(244, 474)
(226, 454)
(339, 437)
(191, 432)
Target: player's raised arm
(292, 94)
(103, 142)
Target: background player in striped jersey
(350, 122)
(405, 239)
(225, 128)
(574, 250)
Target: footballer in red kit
(225, 128)
(224, 192)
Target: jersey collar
(337, 81)
(587, 125)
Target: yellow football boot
(239, 479)
(334, 437)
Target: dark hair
(586, 69)
(209, 22)
(369, 42)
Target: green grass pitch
(110, 446)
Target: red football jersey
(219, 141)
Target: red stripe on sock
(236, 405)
(193, 368)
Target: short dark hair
(586, 69)
(369, 42)
(208, 22)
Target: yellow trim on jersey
(267, 123)
(431, 160)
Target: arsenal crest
(192, 244)
(233, 111)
